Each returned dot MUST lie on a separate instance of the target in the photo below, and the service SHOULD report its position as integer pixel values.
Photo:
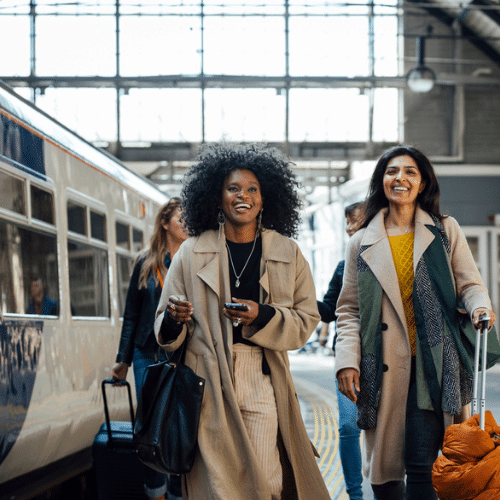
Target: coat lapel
(272, 250)
(208, 243)
(423, 236)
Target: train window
(88, 280)
(137, 240)
(122, 236)
(98, 226)
(77, 220)
(29, 281)
(42, 205)
(125, 266)
(12, 193)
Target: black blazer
(139, 315)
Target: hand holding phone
(237, 306)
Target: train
(72, 220)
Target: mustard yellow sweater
(402, 253)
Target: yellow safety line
(329, 442)
(323, 419)
(316, 426)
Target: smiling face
(241, 199)
(402, 181)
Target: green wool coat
(226, 467)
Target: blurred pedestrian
(399, 351)
(349, 432)
(138, 344)
(241, 206)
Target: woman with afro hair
(240, 205)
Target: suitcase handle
(105, 400)
(481, 333)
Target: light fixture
(421, 78)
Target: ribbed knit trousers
(255, 396)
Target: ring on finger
(236, 322)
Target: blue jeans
(350, 451)
(424, 434)
(155, 483)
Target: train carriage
(72, 219)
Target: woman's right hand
(348, 380)
(179, 309)
(119, 371)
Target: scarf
(444, 354)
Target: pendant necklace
(237, 284)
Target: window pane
(88, 280)
(42, 206)
(244, 115)
(94, 7)
(323, 8)
(161, 115)
(160, 45)
(78, 109)
(386, 45)
(77, 220)
(122, 237)
(15, 34)
(125, 266)
(137, 240)
(98, 226)
(330, 115)
(12, 193)
(159, 7)
(74, 51)
(226, 7)
(385, 115)
(331, 46)
(235, 46)
(27, 255)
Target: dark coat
(139, 315)
(328, 305)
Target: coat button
(384, 326)
(385, 368)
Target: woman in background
(399, 352)
(137, 342)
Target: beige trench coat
(226, 467)
(383, 454)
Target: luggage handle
(105, 400)
(481, 333)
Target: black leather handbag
(168, 415)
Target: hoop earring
(259, 221)
(221, 219)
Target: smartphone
(236, 305)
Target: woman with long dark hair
(137, 342)
(399, 352)
(240, 206)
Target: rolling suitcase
(469, 466)
(119, 472)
